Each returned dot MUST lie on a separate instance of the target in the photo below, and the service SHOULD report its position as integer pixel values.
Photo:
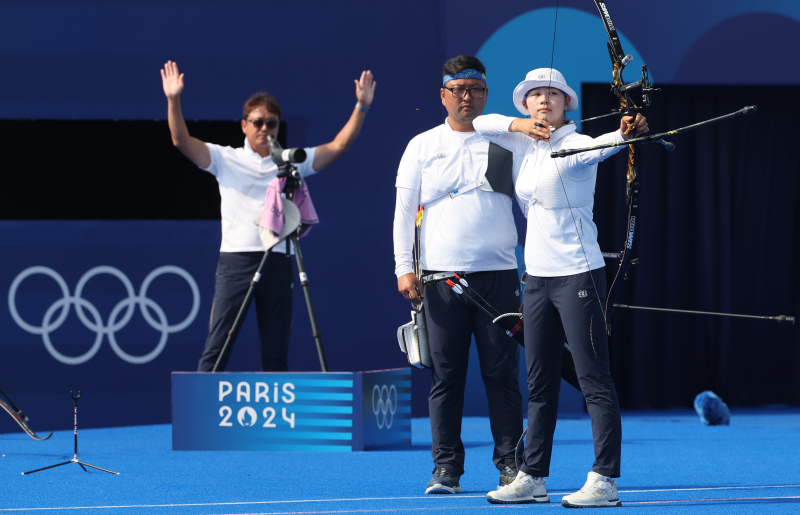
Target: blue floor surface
(671, 464)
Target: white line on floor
(454, 497)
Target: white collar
(561, 132)
(448, 128)
(247, 146)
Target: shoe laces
(597, 485)
(442, 472)
(526, 482)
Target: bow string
(627, 107)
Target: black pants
(273, 296)
(452, 320)
(555, 308)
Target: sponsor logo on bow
(630, 232)
(583, 294)
(607, 16)
(384, 405)
(120, 315)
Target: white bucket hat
(291, 221)
(543, 77)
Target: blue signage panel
(275, 411)
(386, 408)
(112, 308)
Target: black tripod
(75, 457)
(292, 183)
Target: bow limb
(619, 59)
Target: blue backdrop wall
(100, 60)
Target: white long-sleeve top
(472, 231)
(556, 195)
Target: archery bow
(19, 417)
(628, 107)
(619, 59)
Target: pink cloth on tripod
(272, 217)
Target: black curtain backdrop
(108, 170)
(717, 231)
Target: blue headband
(467, 73)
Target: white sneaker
(598, 492)
(523, 490)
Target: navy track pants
(567, 307)
(273, 296)
(452, 320)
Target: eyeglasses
(461, 92)
(271, 124)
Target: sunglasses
(271, 124)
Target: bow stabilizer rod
(780, 319)
(657, 138)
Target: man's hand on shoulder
(172, 80)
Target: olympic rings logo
(125, 307)
(384, 409)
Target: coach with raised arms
(243, 175)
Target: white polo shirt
(556, 195)
(473, 231)
(243, 177)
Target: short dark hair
(462, 62)
(261, 99)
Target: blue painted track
(671, 464)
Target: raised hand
(172, 80)
(365, 88)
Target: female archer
(566, 287)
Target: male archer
(467, 228)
